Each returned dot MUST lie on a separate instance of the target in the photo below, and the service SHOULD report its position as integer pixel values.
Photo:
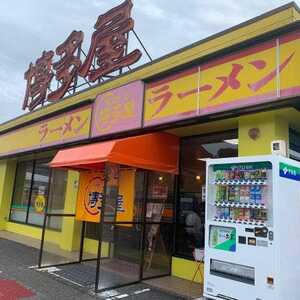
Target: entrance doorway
(116, 252)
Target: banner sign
(118, 110)
(68, 127)
(259, 74)
(289, 171)
(90, 196)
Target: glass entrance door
(135, 245)
(158, 226)
(120, 235)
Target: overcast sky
(27, 27)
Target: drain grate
(82, 274)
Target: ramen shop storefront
(126, 189)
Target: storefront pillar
(71, 229)
(257, 131)
(7, 175)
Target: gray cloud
(27, 27)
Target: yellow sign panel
(39, 203)
(90, 196)
(172, 98)
(70, 126)
(262, 73)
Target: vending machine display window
(241, 193)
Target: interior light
(232, 141)
(160, 178)
(198, 177)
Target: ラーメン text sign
(262, 73)
(68, 127)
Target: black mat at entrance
(82, 274)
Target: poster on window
(90, 196)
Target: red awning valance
(157, 151)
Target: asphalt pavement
(19, 279)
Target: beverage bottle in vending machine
(236, 194)
(236, 213)
(219, 212)
(231, 193)
(231, 216)
(252, 194)
(218, 193)
(247, 214)
(258, 195)
(242, 194)
(226, 213)
(247, 194)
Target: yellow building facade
(230, 94)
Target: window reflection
(192, 179)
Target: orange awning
(157, 151)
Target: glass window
(191, 200)
(31, 193)
(39, 193)
(294, 144)
(22, 190)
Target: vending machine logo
(289, 172)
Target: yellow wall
(186, 269)
(71, 229)
(271, 125)
(7, 175)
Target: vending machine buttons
(261, 232)
(251, 241)
(242, 240)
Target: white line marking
(142, 291)
(33, 267)
(69, 280)
(122, 296)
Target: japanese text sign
(118, 110)
(259, 74)
(90, 196)
(68, 127)
(108, 52)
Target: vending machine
(252, 237)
